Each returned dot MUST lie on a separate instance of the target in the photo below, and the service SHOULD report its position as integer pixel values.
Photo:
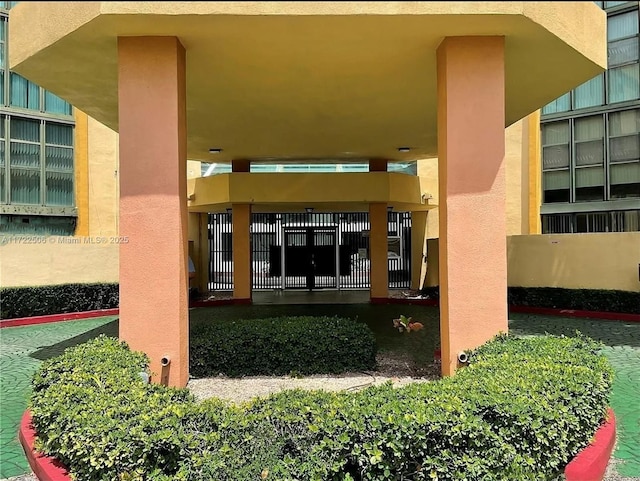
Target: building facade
(37, 185)
(591, 141)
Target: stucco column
(378, 246)
(418, 248)
(153, 203)
(471, 170)
(241, 224)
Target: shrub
(281, 345)
(520, 410)
(59, 299)
(580, 299)
(599, 300)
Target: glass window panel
(58, 134)
(24, 155)
(612, 4)
(55, 105)
(24, 129)
(588, 153)
(561, 104)
(590, 177)
(2, 119)
(624, 148)
(589, 128)
(625, 173)
(59, 158)
(2, 45)
(624, 123)
(589, 94)
(2, 199)
(624, 83)
(25, 186)
(623, 51)
(599, 4)
(59, 188)
(556, 180)
(555, 133)
(620, 26)
(1, 87)
(555, 157)
(24, 94)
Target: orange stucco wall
(471, 171)
(153, 210)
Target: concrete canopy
(307, 80)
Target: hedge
(521, 410)
(599, 300)
(579, 299)
(281, 345)
(59, 299)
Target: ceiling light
(404, 149)
(215, 151)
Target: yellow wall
(572, 261)
(58, 261)
(62, 260)
(577, 261)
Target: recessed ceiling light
(404, 149)
(215, 151)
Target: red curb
(590, 464)
(44, 467)
(70, 316)
(611, 316)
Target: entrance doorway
(310, 258)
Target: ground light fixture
(309, 210)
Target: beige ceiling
(307, 80)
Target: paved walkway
(23, 348)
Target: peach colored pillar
(471, 170)
(378, 246)
(153, 203)
(241, 223)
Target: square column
(241, 224)
(471, 170)
(153, 203)
(378, 246)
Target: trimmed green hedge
(578, 299)
(281, 345)
(59, 299)
(599, 300)
(521, 410)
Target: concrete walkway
(23, 348)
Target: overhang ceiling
(307, 80)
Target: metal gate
(314, 250)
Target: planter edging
(590, 464)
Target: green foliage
(598, 300)
(579, 299)
(59, 299)
(281, 345)
(520, 410)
